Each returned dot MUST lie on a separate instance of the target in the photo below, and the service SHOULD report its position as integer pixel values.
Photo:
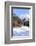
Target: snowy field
(21, 31)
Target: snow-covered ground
(21, 31)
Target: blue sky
(21, 12)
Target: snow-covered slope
(21, 31)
